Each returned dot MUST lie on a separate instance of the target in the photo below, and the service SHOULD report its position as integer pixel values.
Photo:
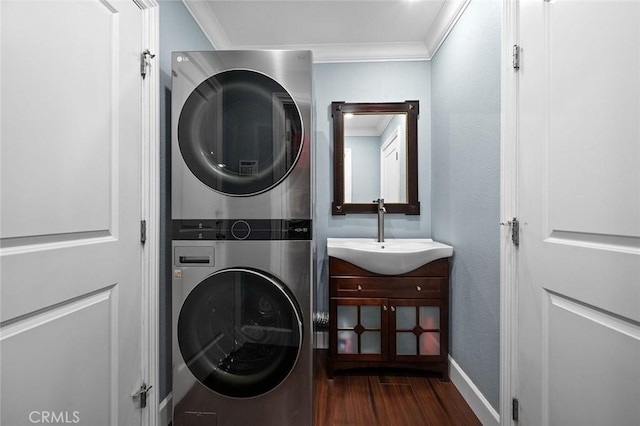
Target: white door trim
(348, 176)
(508, 210)
(150, 211)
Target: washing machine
(242, 332)
(241, 132)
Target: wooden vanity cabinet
(389, 321)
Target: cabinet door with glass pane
(360, 331)
(417, 329)
(389, 321)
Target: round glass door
(240, 132)
(239, 332)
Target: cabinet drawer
(410, 288)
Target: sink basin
(393, 257)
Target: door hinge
(145, 62)
(514, 225)
(516, 57)
(143, 231)
(141, 394)
(514, 409)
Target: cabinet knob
(418, 288)
(393, 309)
(384, 307)
(359, 287)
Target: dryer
(242, 333)
(241, 135)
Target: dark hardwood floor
(386, 398)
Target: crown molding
(356, 52)
(451, 11)
(208, 22)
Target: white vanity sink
(392, 257)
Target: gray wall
(367, 82)
(178, 31)
(466, 183)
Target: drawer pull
(418, 288)
(359, 287)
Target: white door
(71, 198)
(390, 170)
(579, 207)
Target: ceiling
(336, 30)
(366, 124)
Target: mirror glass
(375, 156)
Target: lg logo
(61, 417)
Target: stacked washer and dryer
(242, 238)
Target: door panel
(82, 357)
(45, 124)
(579, 206)
(593, 88)
(594, 352)
(71, 258)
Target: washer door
(240, 132)
(240, 332)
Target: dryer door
(240, 132)
(240, 332)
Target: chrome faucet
(381, 211)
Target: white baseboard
(166, 411)
(321, 340)
(487, 415)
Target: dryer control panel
(242, 229)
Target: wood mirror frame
(338, 110)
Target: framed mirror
(375, 155)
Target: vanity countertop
(392, 257)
